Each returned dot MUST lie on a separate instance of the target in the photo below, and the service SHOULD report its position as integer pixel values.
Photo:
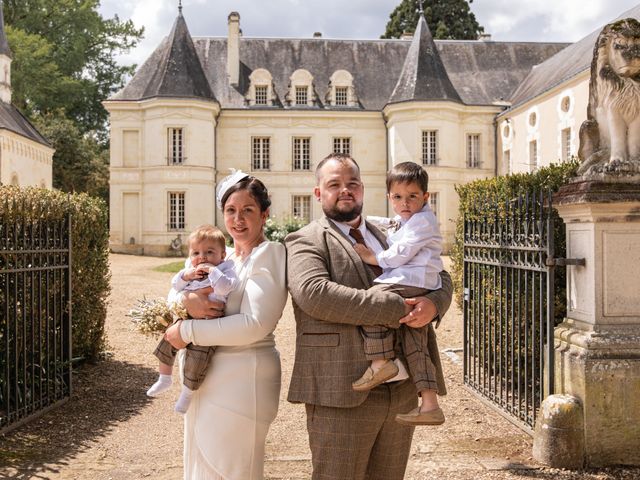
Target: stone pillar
(598, 345)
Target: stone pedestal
(598, 346)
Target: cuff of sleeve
(214, 275)
(381, 263)
(178, 282)
(186, 331)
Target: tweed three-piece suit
(352, 435)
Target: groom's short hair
(342, 158)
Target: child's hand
(190, 274)
(203, 271)
(366, 254)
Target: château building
(276, 106)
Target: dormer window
(302, 95)
(261, 94)
(341, 90)
(301, 92)
(261, 91)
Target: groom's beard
(334, 213)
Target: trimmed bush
(90, 274)
(276, 231)
(477, 200)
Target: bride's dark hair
(255, 188)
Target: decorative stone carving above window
(301, 92)
(341, 91)
(261, 91)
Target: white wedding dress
(227, 423)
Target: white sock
(162, 385)
(182, 405)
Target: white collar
(345, 227)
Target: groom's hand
(198, 304)
(423, 311)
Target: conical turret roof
(175, 70)
(423, 76)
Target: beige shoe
(415, 417)
(372, 379)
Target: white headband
(228, 182)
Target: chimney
(406, 36)
(484, 37)
(233, 49)
(317, 34)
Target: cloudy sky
(506, 20)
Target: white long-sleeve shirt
(413, 256)
(222, 278)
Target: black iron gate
(35, 316)
(509, 306)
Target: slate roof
(172, 70)
(11, 119)
(4, 44)
(481, 72)
(564, 65)
(423, 75)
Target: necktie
(357, 236)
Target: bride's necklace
(244, 253)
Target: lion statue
(610, 137)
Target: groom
(352, 435)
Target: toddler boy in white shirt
(208, 269)
(411, 268)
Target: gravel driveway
(111, 430)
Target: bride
(227, 424)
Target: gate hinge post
(563, 262)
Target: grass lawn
(173, 267)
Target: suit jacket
(328, 283)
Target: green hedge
(477, 199)
(90, 274)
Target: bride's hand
(172, 335)
(198, 304)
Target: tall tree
(74, 39)
(447, 19)
(63, 67)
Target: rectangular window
(566, 144)
(433, 202)
(302, 153)
(176, 211)
(473, 150)
(533, 154)
(261, 94)
(429, 147)
(175, 149)
(301, 95)
(506, 159)
(260, 153)
(342, 145)
(342, 96)
(301, 207)
(130, 148)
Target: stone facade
(290, 102)
(26, 157)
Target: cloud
(506, 20)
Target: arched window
(341, 91)
(301, 92)
(261, 91)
